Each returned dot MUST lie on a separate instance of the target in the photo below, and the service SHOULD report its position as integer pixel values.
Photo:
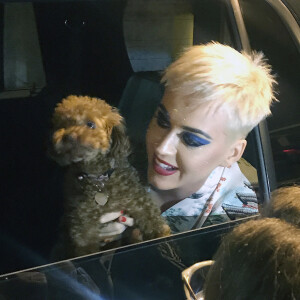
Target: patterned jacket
(226, 195)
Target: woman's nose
(168, 144)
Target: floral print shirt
(226, 195)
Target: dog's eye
(91, 124)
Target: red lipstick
(163, 168)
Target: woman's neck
(166, 199)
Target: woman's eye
(192, 140)
(91, 124)
(162, 121)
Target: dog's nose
(68, 138)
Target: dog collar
(97, 180)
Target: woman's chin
(161, 184)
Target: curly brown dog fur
(89, 137)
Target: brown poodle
(89, 137)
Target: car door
(273, 29)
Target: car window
(113, 50)
(150, 271)
(267, 33)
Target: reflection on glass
(147, 271)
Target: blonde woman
(214, 97)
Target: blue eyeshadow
(193, 140)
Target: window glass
(268, 34)
(150, 271)
(113, 50)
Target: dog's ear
(120, 145)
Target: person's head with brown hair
(259, 259)
(285, 205)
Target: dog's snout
(68, 138)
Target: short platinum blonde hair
(240, 83)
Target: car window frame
(266, 172)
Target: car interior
(115, 50)
(106, 49)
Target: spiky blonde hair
(239, 82)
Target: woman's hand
(113, 225)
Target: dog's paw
(166, 230)
(136, 236)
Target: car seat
(141, 96)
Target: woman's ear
(235, 152)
